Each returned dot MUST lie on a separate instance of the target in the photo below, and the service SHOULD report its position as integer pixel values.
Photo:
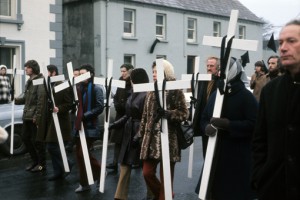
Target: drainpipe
(106, 34)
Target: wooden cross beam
(236, 44)
(170, 85)
(14, 71)
(42, 81)
(75, 80)
(106, 82)
(201, 77)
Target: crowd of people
(257, 152)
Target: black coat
(231, 178)
(276, 142)
(130, 154)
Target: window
(130, 59)
(161, 26)
(217, 29)
(8, 8)
(191, 30)
(129, 23)
(242, 32)
(161, 56)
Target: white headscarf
(235, 68)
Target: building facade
(30, 29)
(126, 30)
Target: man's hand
(220, 123)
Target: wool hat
(3, 66)
(139, 75)
(34, 65)
(3, 135)
(168, 70)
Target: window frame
(217, 29)
(131, 57)
(132, 23)
(242, 32)
(161, 36)
(194, 30)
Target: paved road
(17, 184)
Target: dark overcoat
(130, 154)
(64, 102)
(231, 174)
(276, 142)
(120, 99)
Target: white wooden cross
(105, 82)
(201, 77)
(250, 45)
(75, 80)
(14, 71)
(170, 85)
(42, 81)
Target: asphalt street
(18, 184)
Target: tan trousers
(123, 183)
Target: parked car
(19, 147)
(5, 122)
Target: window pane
(5, 7)
(159, 30)
(190, 34)
(127, 15)
(127, 27)
(191, 24)
(159, 19)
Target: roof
(212, 7)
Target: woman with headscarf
(151, 150)
(230, 178)
(130, 148)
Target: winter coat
(276, 142)
(63, 100)
(35, 100)
(150, 131)
(232, 161)
(4, 88)
(120, 99)
(92, 123)
(201, 102)
(129, 153)
(258, 81)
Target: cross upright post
(199, 77)
(47, 81)
(170, 85)
(14, 71)
(74, 80)
(107, 82)
(250, 45)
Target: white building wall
(175, 47)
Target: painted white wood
(219, 100)
(114, 83)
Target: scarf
(85, 103)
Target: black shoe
(55, 177)
(31, 166)
(112, 166)
(38, 168)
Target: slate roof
(214, 7)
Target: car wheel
(19, 146)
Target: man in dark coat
(230, 178)
(63, 104)
(120, 99)
(276, 142)
(33, 131)
(205, 89)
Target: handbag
(185, 134)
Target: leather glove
(163, 113)
(112, 126)
(220, 123)
(136, 142)
(210, 130)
